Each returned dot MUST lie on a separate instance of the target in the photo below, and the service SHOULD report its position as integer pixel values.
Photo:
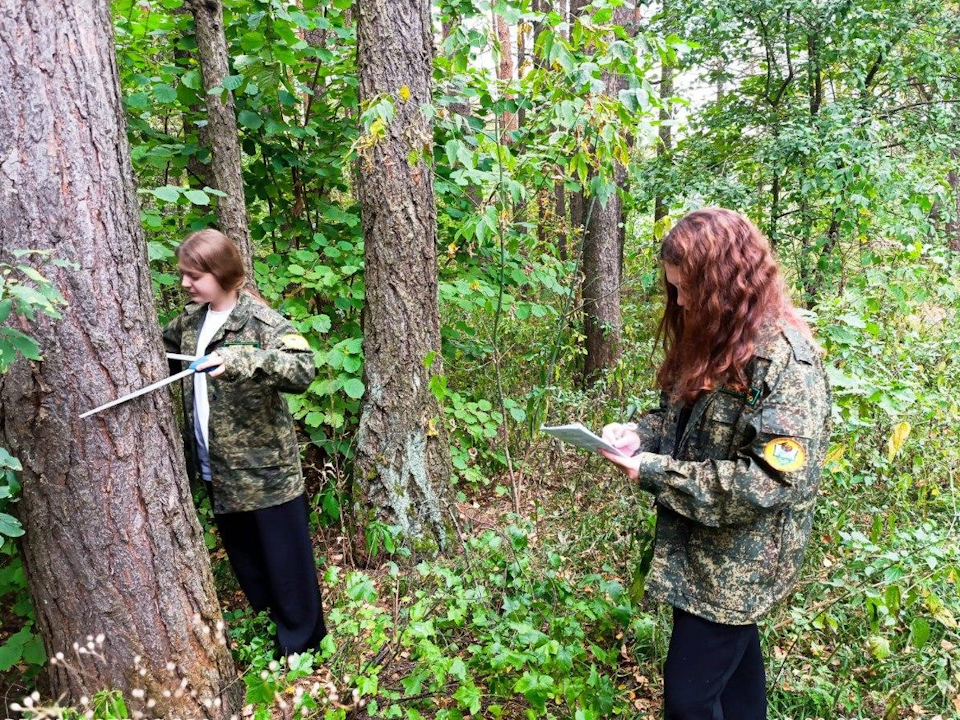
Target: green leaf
(251, 42)
(164, 93)
(320, 323)
(10, 526)
(354, 388)
(919, 632)
(232, 82)
(9, 461)
(10, 654)
(137, 101)
(250, 119)
(468, 696)
(301, 665)
(191, 79)
(458, 669)
(259, 691)
(5, 307)
(603, 15)
(168, 193)
(24, 344)
(33, 651)
(197, 197)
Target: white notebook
(577, 434)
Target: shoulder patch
(294, 342)
(785, 454)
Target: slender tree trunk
(403, 456)
(112, 543)
(661, 206)
(578, 205)
(508, 120)
(222, 125)
(602, 258)
(560, 213)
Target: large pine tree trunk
(602, 258)
(222, 125)
(112, 543)
(403, 457)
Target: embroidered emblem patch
(297, 343)
(785, 454)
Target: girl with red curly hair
(732, 457)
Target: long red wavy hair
(733, 287)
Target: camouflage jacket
(254, 453)
(735, 496)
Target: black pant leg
(702, 659)
(292, 575)
(746, 693)
(241, 540)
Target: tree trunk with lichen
(403, 456)
(112, 544)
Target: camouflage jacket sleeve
(777, 465)
(285, 360)
(649, 427)
(172, 333)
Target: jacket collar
(238, 317)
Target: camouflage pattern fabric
(735, 497)
(254, 453)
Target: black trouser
(272, 556)
(713, 671)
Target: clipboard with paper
(578, 435)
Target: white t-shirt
(213, 321)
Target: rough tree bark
(403, 456)
(602, 258)
(222, 125)
(112, 543)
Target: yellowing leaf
(879, 647)
(943, 616)
(404, 93)
(835, 454)
(897, 438)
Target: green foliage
(25, 293)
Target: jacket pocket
(715, 436)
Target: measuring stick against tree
(154, 386)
